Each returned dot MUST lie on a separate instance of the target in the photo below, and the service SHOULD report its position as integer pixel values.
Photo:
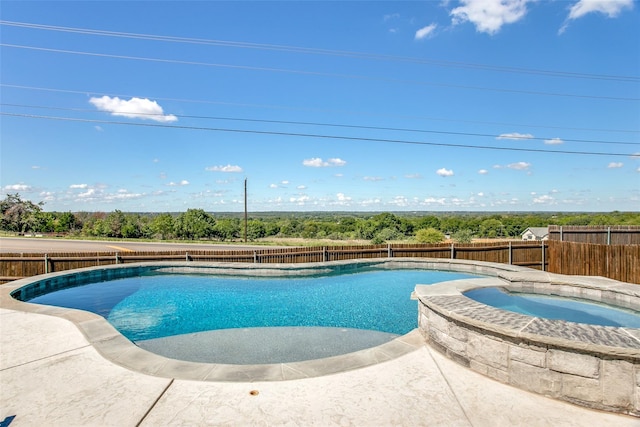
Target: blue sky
(472, 105)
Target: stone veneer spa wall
(592, 366)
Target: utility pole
(245, 210)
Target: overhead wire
(317, 73)
(284, 107)
(318, 136)
(319, 51)
(517, 137)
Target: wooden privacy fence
(600, 234)
(619, 262)
(529, 254)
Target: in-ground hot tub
(590, 365)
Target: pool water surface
(158, 305)
(556, 307)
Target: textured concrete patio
(51, 375)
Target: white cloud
(413, 176)
(391, 16)
(611, 8)
(515, 135)
(544, 199)
(433, 200)
(553, 141)
(400, 201)
(87, 194)
(317, 162)
(342, 198)
(425, 32)
(137, 108)
(178, 184)
(373, 178)
(273, 185)
(47, 196)
(227, 168)
(36, 167)
(81, 186)
(299, 200)
(519, 166)
(17, 187)
(483, 171)
(99, 128)
(444, 172)
(301, 187)
(489, 15)
(615, 165)
(284, 182)
(123, 194)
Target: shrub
(429, 235)
(462, 236)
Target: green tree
(429, 235)
(429, 221)
(385, 235)
(227, 229)
(491, 228)
(17, 214)
(65, 222)
(256, 229)
(462, 236)
(195, 224)
(162, 226)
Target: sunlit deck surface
(51, 375)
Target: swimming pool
(304, 317)
(556, 307)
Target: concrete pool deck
(51, 375)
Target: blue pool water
(558, 308)
(162, 305)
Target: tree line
(23, 216)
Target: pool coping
(116, 348)
(112, 345)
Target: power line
(320, 136)
(319, 51)
(335, 125)
(324, 110)
(315, 73)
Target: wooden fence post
(255, 257)
(46, 264)
(542, 241)
(453, 251)
(324, 254)
(186, 256)
(510, 253)
(117, 261)
(389, 251)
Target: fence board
(598, 234)
(13, 266)
(619, 262)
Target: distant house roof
(539, 232)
